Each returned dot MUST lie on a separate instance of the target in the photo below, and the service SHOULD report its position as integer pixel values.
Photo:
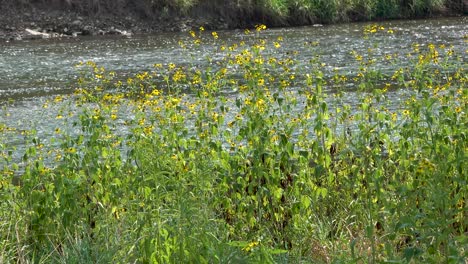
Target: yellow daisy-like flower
(71, 150)
(251, 246)
(156, 92)
(260, 27)
(148, 130)
(261, 82)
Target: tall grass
(246, 160)
(248, 12)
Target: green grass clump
(248, 159)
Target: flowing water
(31, 72)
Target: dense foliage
(247, 158)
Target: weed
(248, 160)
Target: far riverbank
(28, 19)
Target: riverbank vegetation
(242, 13)
(250, 157)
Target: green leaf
(277, 251)
(278, 193)
(305, 201)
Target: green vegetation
(246, 12)
(247, 159)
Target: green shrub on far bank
(387, 9)
(242, 13)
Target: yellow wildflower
(260, 27)
(251, 246)
(261, 82)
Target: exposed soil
(43, 22)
